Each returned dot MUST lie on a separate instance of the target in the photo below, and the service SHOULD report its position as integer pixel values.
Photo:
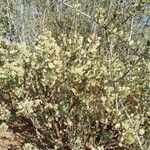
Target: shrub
(73, 95)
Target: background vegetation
(74, 75)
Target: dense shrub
(74, 76)
(73, 96)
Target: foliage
(79, 89)
(72, 96)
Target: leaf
(20, 71)
(130, 138)
(104, 69)
(103, 98)
(141, 131)
(74, 91)
(69, 122)
(78, 70)
(110, 89)
(115, 30)
(51, 65)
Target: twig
(135, 133)
(36, 130)
(82, 13)
(148, 67)
(131, 31)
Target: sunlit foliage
(77, 88)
